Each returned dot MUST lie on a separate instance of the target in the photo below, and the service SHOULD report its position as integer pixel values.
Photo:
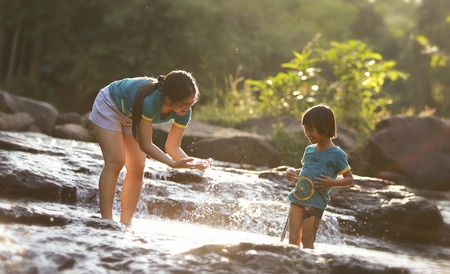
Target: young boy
(322, 163)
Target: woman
(123, 114)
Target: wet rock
(44, 230)
(24, 214)
(416, 147)
(223, 144)
(36, 166)
(277, 259)
(26, 184)
(392, 212)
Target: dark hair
(177, 85)
(321, 117)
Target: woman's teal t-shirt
(123, 93)
(330, 162)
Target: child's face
(313, 136)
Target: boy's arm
(346, 180)
(325, 182)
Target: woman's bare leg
(114, 157)
(132, 184)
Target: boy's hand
(291, 174)
(324, 182)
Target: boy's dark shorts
(311, 211)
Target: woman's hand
(202, 164)
(183, 163)
(192, 163)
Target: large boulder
(69, 118)
(73, 131)
(20, 121)
(223, 144)
(43, 113)
(265, 126)
(254, 150)
(412, 150)
(384, 209)
(346, 137)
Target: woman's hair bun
(161, 79)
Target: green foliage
(65, 51)
(76, 47)
(291, 146)
(355, 93)
(438, 57)
(231, 106)
(288, 93)
(426, 59)
(352, 89)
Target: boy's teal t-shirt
(123, 93)
(330, 162)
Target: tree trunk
(35, 58)
(2, 50)
(12, 57)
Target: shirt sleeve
(182, 121)
(342, 165)
(150, 108)
(307, 149)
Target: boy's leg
(295, 224)
(310, 226)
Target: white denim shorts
(107, 115)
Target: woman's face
(181, 107)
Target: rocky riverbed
(227, 219)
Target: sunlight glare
(180, 237)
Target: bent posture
(123, 114)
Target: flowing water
(227, 219)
